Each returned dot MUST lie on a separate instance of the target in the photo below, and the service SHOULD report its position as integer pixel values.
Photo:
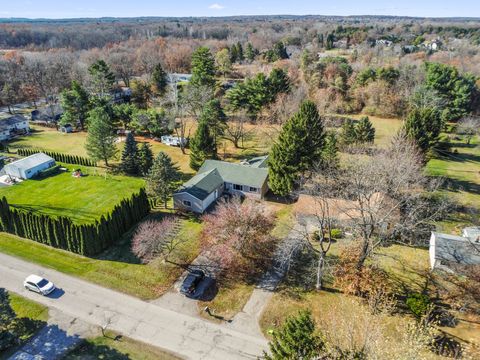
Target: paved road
(184, 335)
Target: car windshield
(42, 283)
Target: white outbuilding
(30, 166)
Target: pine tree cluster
(62, 233)
(60, 157)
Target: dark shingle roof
(12, 120)
(202, 184)
(237, 173)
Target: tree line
(63, 233)
(61, 157)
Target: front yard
(83, 199)
(117, 268)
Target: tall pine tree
(162, 178)
(202, 146)
(145, 158)
(130, 163)
(298, 149)
(100, 144)
(214, 116)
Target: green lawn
(117, 268)
(107, 348)
(24, 307)
(83, 199)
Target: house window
(237, 187)
(253, 189)
(187, 203)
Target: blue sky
(131, 8)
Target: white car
(38, 284)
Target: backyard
(83, 199)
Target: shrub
(336, 233)
(418, 304)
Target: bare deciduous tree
(469, 127)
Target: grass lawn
(384, 128)
(107, 348)
(117, 268)
(83, 199)
(257, 142)
(24, 307)
(461, 171)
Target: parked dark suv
(191, 282)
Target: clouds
(216, 6)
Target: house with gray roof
(215, 178)
(30, 166)
(13, 125)
(446, 250)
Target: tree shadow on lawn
(86, 216)
(457, 185)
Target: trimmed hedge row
(62, 233)
(60, 157)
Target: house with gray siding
(215, 178)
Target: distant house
(176, 78)
(13, 125)
(383, 42)
(49, 113)
(446, 250)
(30, 166)
(214, 178)
(173, 140)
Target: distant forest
(80, 34)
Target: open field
(83, 199)
(105, 347)
(117, 268)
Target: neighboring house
(446, 250)
(30, 166)
(49, 113)
(173, 140)
(13, 125)
(4, 133)
(383, 42)
(214, 178)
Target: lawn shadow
(89, 350)
(457, 185)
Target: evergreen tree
(100, 144)
(203, 68)
(102, 78)
(280, 51)
(145, 158)
(279, 82)
(202, 146)
(348, 135)
(364, 131)
(162, 178)
(159, 80)
(75, 104)
(296, 340)
(330, 152)
(130, 163)
(250, 52)
(240, 55)
(298, 149)
(423, 125)
(213, 115)
(330, 41)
